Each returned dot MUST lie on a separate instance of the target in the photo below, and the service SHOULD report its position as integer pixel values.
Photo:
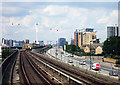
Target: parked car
(113, 73)
(82, 62)
(96, 66)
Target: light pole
(90, 55)
(56, 50)
(36, 27)
(61, 56)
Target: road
(105, 68)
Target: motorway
(105, 67)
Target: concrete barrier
(109, 60)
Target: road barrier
(109, 60)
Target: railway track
(76, 80)
(33, 74)
(7, 68)
(86, 79)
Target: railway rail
(33, 74)
(7, 68)
(61, 71)
(86, 79)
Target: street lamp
(56, 50)
(90, 55)
(61, 56)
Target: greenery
(111, 46)
(74, 50)
(5, 53)
(118, 61)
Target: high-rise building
(84, 36)
(78, 38)
(61, 41)
(88, 36)
(119, 17)
(112, 31)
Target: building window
(92, 36)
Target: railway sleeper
(46, 73)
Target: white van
(96, 66)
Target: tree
(112, 45)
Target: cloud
(14, 11)
(111, 19)
(65, 21)
(53, 10)
(60, 1)
(65, 18)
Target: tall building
(112, 31)
(88, 36)
(119, 17)
(78, 38)
(61, 41)
(84, 36)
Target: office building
(88, 36)
(61, 41)
(84, 36)
(112, 31)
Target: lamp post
(61, 56)
(56, 50)
(90, 55)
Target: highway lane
(104, 69)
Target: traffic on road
(84, 62)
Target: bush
(116, 57)
(107, 56)
(118, 61)
(5, 53)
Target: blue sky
(52, 16)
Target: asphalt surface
(105, 69)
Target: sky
(55, 19)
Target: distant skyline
(56, 19)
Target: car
(113, 73)
(95, 66)
(66, 54)
(71, 56)
(82, 62)
(70, 61)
